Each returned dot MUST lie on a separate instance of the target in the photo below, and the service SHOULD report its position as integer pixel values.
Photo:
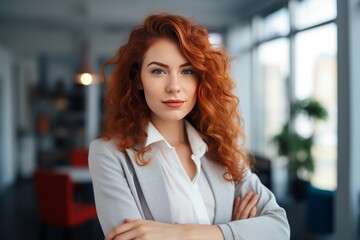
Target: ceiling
(32, 27)
(122, 14)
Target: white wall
(347, 209)
(238, 39)
(7, 136)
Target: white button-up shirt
(191, 201)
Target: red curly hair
(215, 114)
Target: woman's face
(169, 82)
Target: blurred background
(295, 63)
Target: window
(315, 76)
(274, 25)
(293, 53)
(311, 12)
(274, 72)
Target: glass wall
(308, 13)
(315, 77)
(274, 72)
(293, 53)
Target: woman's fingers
(247, 207)
(129, 235)
(120, 229)
(145, 230)
(236, 206)
(249, 204)
(252, 212)
(129, 220)
(243, 202)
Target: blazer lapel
(153, 186)
(223, 190)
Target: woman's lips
(174, 103)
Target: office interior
(281, 51)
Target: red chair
(79, 157)
(56, 203)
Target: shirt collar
(153, 135)
(197, 144)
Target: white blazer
(125, 190)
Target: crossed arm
(111, 188)
(145, 229)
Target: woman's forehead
(165, 51)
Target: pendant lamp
(85, 73)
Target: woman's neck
(173, 131)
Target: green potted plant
(296, 148)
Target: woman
(169, 164)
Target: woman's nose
(173, 84)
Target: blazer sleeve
(113, 197)
(271, 221)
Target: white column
(348, 192)
(7, 127)
(92, 116)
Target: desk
(77, 174)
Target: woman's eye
(157, 71)
(188, 72)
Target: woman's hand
(143, 229)
(150, 230)
(246, 207)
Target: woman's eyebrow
(185, 64)
(159, 64)
(166, 66)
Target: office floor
(19, 218)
